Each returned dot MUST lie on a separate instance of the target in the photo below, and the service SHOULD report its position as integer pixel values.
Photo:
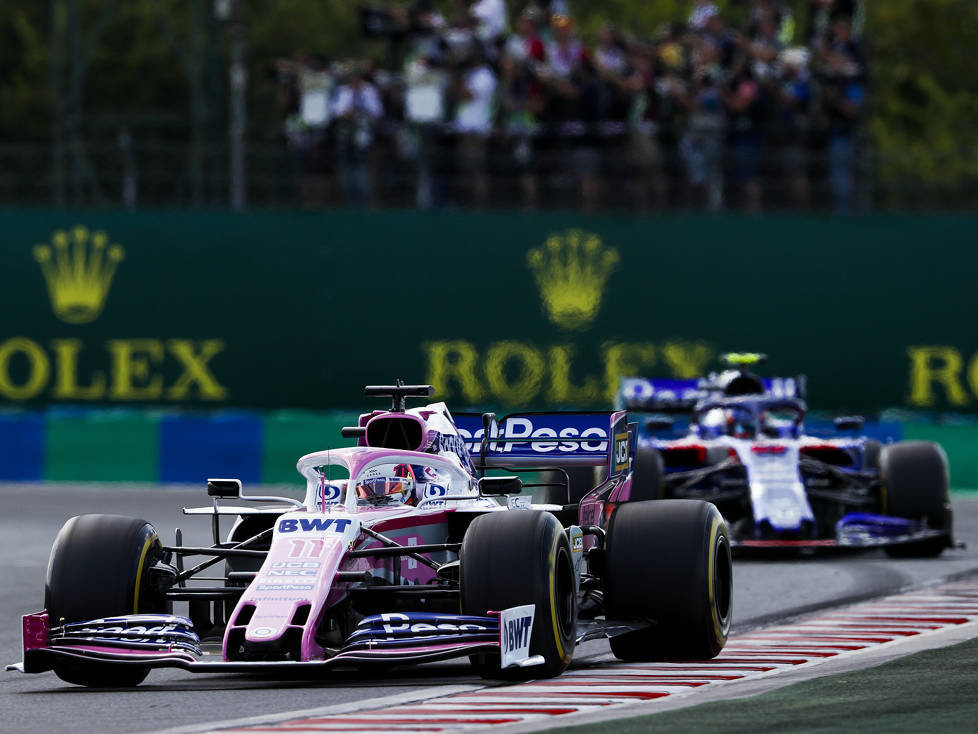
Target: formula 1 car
(747, 452)
(403, 550)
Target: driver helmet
(387, 485)
(740, 423)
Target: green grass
(931, 691)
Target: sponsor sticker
(621, 452)
(515, 629)
(285, 587)
(396, 623)
(320, 524)
(519, 503)
(434, 490)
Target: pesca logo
(516, 427)
(78, 271)
(404, 625)
(571, 270)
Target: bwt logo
(516, 428)
(335, 525)
(517, 632)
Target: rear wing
(544, 440)
(665, 395)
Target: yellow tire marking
(139, 572)
(711, 578)
(553, 595)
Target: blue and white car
(747, 451)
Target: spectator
(525, 45)
(702, 144)
(358, 108)
(702, 11)
(844, 95)
(565, 53)
(519, 103)
(475, 89)
(490, 16)
(644, 153)
(745, 109)
(424, 110)
(307, 84)
(794, 122)
(822, 13)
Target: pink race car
(403, 550)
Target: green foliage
(24, 56)
(924, 87)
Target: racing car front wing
(165, 641)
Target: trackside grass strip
(934, 690)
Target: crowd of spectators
(476, 108)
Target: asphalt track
(30, 515)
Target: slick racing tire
(98, 568)
(915, 486)
(648, 471)
(521, 557)
(669, 564)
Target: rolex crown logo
(571, 270)
(78, 266)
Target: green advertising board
(300, 310)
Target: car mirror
(849, 422)
(660, 423)
(500, 485)
(224, 488)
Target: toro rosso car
(746, 451)
(403, 550)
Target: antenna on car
(399, 392)
(742, 360)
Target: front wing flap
(383, 638)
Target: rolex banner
(292, 310)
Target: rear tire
(98, 568)
(669, 563)
(914, 476)
(648, 472)
(522, 557)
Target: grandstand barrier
(171, 447)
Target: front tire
(915, 486)
(669, 563)
(99, 568)
(521, 557)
